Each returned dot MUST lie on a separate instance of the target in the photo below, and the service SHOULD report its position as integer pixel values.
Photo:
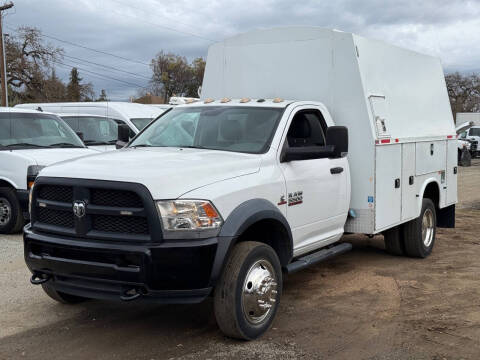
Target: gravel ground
(362, 305)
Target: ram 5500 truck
(225, 196)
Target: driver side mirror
(123, 136)
(338, 137)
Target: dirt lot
(363, 305)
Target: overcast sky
(137, 30)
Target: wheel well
(273, 233)
(432, 192)
(4, 183)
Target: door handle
(336, 170)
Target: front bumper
(169, 272)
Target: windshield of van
(240, 129)
(140, 123)
(30, 130)
(474, 131)
(96, 130)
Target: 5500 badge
(294, 198)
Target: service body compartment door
(430, 156)
(409, 193)
(388, 192)
(452, 163)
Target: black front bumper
(167, 272)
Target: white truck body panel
(362, 84)
(123, 111)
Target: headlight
(189, 218)
(32, 172)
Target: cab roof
(247, 102)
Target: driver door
(316, 188)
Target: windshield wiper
(26, 144)
(93, 142)
(65, 145)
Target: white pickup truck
(225, 196)
(29, 141)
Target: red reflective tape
(385, 141)
(450, 137)
(396, 140)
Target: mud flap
(446, 217)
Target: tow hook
(131, 294)
(38, 279)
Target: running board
(317, 257)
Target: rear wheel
(60, 296)
(420, 232)
(248, 293)
(11, 217)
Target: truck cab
(29, 141)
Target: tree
(29, 63)
(173, 75)
(197, 69)
(103, 96)
(54, 89)
(76, 91)
(464, 92)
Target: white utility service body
(361, 83)
(136, 116)
(221, 195)
(20, 164)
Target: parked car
(223, 197)
(136, 116)
(29, 141)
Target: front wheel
(248, 294)
(11, 217)
(420, 232)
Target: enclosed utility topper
(393, 101)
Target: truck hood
(166, 172)
(46, 157)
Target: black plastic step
(317, 257)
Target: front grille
(117, 198)
(55, 217)
(110, 213)
(120, 224)
(56, 193)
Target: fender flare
(422, 193)
(9, 182)
(240, 219)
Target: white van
(136, 116)
(223, 197)
(29, 140)
(96, 131)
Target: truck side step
(317, 257)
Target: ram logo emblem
(79, 209)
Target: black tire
(13, 221)
(228, 304)
(62, 297)
(394, 244)
(415, 245)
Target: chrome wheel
(428, 227)
(5, 211)
(259, 292)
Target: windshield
(140, 123)
(29, 130)
(241, 129)
(96, 130)
(474, 131)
